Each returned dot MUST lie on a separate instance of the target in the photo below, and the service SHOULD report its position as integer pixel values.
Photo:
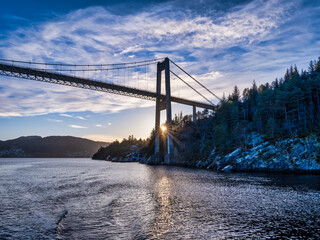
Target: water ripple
(85, 199)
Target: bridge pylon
(164, 103)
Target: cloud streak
(66, 115)
(55, 120)
(77, 126)
(71, 116)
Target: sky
(220, 42)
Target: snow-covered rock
(292, 154)
(227, 169)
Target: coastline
(195, 166)
(256, 153)
(291, 155)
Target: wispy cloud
(250, 41)
(77, 126)
(112, 36)
(55, 120)
(102, 126)
(72, 116)
(65, 115)
(15, 18)
(79, 117)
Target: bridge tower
(163, 103)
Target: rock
(199, 164)
(212, 154)
(269, 152)
(210, 166)
(240, 159)
(292, 154)
(227, 169)
(154, 160)
(254, 139)
(234, 154)
(231, 157)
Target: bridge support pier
(162, 104)
(169, 156)
(158, 111)
(194, 113)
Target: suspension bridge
(117, 79)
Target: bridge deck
(57, 78)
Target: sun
(163, 128)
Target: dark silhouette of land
(49, 147)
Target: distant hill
(49, 147)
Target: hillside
(49, 147)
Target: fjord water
(86, 199)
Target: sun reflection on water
(163, 221)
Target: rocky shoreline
(293, 155)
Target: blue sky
(222, 43)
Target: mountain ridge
(49, 147)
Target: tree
(270, 129)
(235, 96)
(317, 67)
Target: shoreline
(193, 166)
(293, 172)
(256, 154)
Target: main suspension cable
(191, 87)
(93, 69)
(195, 80)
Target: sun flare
(163, 128)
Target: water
(86, 199)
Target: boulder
(254, 139)
(232, 156)
(227, 169)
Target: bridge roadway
(57, 78)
